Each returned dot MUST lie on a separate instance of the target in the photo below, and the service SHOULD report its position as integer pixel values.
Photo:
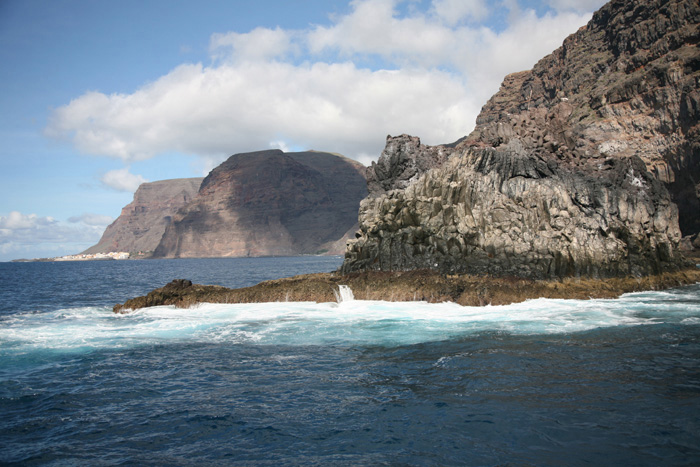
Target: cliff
(578, 167)
(142, 223)
(628, 84)
(269, 203)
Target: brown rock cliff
(142, 222)
(627, 84)
(268, 203)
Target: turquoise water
(545, 382)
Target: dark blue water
(548, 382)
(49, 286)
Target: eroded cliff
(269, 203)
(142, 222)
(569, 169)
(627, 84)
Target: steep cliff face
(268, 203)
(628, 84)
(564, 174)
(141, 223)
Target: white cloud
(575, 5)
(91, 219)
(374, 28)
(309, 88)
(259, 44)
(479, 55)
(16, 221)
(122, 180)
(28, 235)
(220, 110)
(454, 11)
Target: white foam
(352, 322)
(344, 294)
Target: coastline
(418, 285)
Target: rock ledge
(419, 285)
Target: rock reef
(422, 285)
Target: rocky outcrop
(142, 223)
(566, 173)
(423, 285)
(504, 212)
(269, 203)
(403, 160)
(627, 84)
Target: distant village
(112, 255)
(93, 257)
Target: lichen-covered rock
(566, 173)
(504, 212)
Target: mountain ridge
(263, 203)
(269, 203)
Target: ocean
(541, 383)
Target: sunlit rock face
(142, 222)
(586, 165)
(504, 212)
(269, 203)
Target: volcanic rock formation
(269, 203)
(141, 224)
(566, 173)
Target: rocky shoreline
(579, 181)
(418, 285)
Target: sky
(98, 96)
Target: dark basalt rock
(627, 84)
(498, 212)
(404, 158)
(424, 285)
(569, 169)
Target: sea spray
(349, 322)
(343, 294)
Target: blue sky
(99, 96)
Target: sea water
(351, 382)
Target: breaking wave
(350, 322)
